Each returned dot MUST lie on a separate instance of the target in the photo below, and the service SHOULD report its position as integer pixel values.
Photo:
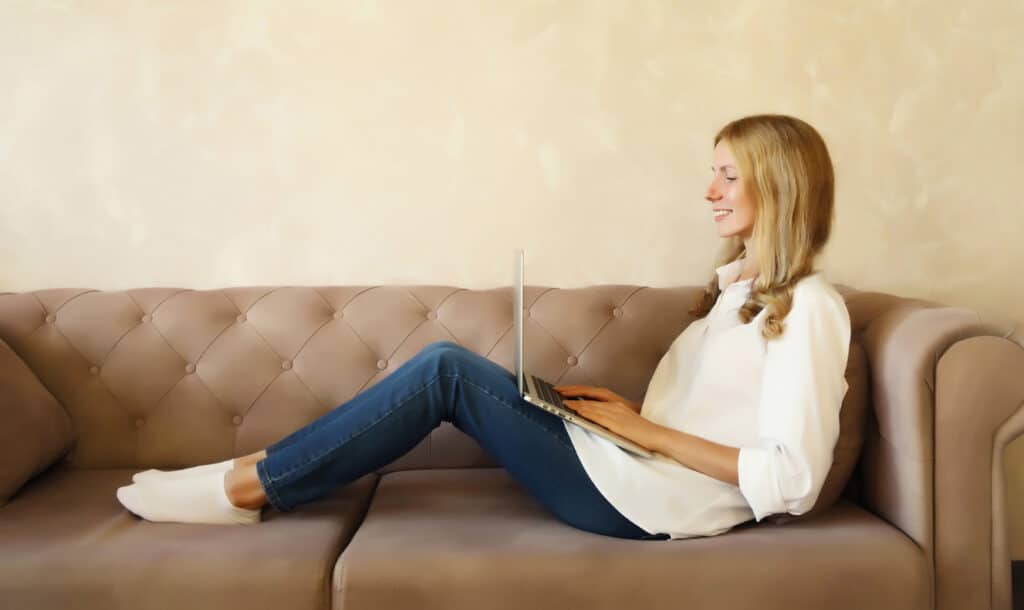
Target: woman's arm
(696, 453)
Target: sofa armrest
(978, 400)
(35, 430)
(926, 436)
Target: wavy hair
(787, 172)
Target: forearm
(713, 459)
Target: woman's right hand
(595, 393)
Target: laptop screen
(517, 316)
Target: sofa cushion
(474, 538)
(852, 419)
(34, 428)
(65, 542)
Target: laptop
(540, 393)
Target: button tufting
(241, 317)
(431, 315)
(236, 419)
(94, 369)
(139, 422)
(338, 314)
(572, 360)
(382, 364)
(51, 318)
(617, 312)
(145, 318)
(190, 368)
(286, 364)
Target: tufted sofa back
(169, 377)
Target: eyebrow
(723, 167)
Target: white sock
(156, 475)
(196, 499)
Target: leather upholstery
(480, 542)
(34, 429)
(65, 542)
(168, 377)
(163, 377)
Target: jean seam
(526, 417)
(358, 433)
(568, 447)
(272, 480)
(268, 486)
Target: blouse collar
(728, 273)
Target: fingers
(575, 389)
(575, 404)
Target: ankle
(243, 488)
(249, 460)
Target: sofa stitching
(541, 326)
(254, 303)
(447, 297)
(119, 401)
(437, 308)
(72, 298)
(168, 298)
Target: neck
(750, 268)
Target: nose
(713, 194)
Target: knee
(439, 346)
(443, 351)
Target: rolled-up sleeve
(802, 388)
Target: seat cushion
(474, 538)
(66, 542)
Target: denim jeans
(444, 382)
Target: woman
(743, 408)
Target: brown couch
(117, 382)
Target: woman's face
(727, 191)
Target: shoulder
(815, 298)
(817, 287)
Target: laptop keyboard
(547, 391)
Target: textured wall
(223, 143)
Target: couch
(96, 385)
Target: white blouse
(778, 401)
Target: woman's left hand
(617, 417)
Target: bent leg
(444, 382)
(534, 447)
(327, 418)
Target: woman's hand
(617, 417)
(596, 393)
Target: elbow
(800, 493)
(775, 480)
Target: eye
(730, 178)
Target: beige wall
(207, 144)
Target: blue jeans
(444, 382)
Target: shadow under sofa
(171, 377)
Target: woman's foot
(202, 498)
(226, 465)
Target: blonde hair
(787, 173)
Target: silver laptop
(540, 393)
